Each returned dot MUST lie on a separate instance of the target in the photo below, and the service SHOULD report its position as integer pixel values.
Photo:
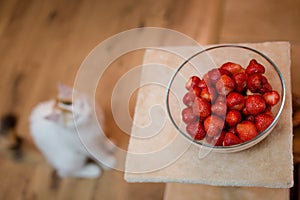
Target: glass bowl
(213, 57)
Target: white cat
(54, 133)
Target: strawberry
(188, 115)
(213, 125)
(255, 104)
(221, 98)
(188, 99)
(265, 88)
(245, 112)
(202, 84)
(232, 130)
(233, 117)
(263, 121)
(214, 75)
(235, 100)
(240, 80)
(209, 94)
(225, 85)
(255, 82)
(230, 104)
(268, 111)
(219, 108)
(196, 91)
(207, 80)
(258, 83)
(271, 98)
(195, 130)
(224, 72)
(250, 118)
(246, 130)
(231, 67)
(217, 140)
(201, 108)
(231, 139)
(255, 68)
(194, 80)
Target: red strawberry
(217, 140)
(241, 71)
(208, 139)
(233, 68)
(221, 98)
(232, 130)
(207, 80)
(188, 99)
(188, 115)
(255, 68)
(245, 112)
(263, 121)
(201, 108)
(224, 72)
(209, 94)
(235, 101)
(271, 98)
(268, 111)
(258, 83)
(195, 130)
(246, 130)
(202, 84)
(219, 108)
(214, 75)
(213, 125)
(194, 80)
(250, 118)
(225, 85)
(196, 91)
(240, 80)
(231, 139)
(255, 104)
(233, 117)
(265, 88)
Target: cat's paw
(89, 171)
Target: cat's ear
(64, 91)
(53, 116)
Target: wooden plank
(14, 178)
(45, 43)
(43, 184)
(259, 21)
(199, 19)
(175, 191)
(295, 52)
(6, 8)
(72, 188)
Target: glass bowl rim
(232, 147)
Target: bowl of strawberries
(227, 98)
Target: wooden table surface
(44, 42)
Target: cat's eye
(67, 103)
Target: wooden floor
(44, 42)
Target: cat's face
(67, 111)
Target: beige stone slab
(164, 156)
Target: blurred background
(44, 42)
